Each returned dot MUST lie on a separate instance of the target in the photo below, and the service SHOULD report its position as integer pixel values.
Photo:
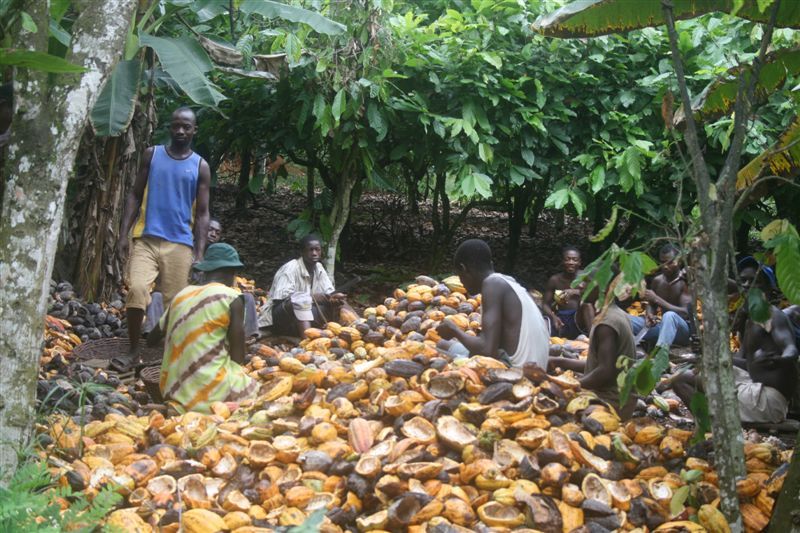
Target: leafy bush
(33, 503)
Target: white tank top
(534, 341)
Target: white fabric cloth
(292, 278)
(534, 341)
(758, 402)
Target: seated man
(569, 316)
(669, 292)
(611, 336)
(205, 343)
(302, 294)
(764, 370)
(512, 326)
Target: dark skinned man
(569, 316)
(512, 327)
(302, 294)
(669, 292)
(764, 370)
(205, 342)
(611, 336)
(169, 206)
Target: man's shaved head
(185, 109)
(474, 254)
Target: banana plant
(185, 60)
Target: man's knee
(672, 317)
(138, 295)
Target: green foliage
(187, 63)
(270, 9)
(782, 237)
(591, 18)
(606, 230)
(114, 107)
(698, 405)
(38, 61)
(642, 375)
(30, 503)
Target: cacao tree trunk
(340, 213)
(50, 112)
(710, 253)
(786, 514)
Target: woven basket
(151, 376)
(114, 346)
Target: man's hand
(651, 296)
(337, 297)
(649, 319)
(557, 324)
(447, 329)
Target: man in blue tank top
(169, 206)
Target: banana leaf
(591, 18)
(114, 107)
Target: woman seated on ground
(205, 341)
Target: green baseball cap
(219, 255)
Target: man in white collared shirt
(302, 294)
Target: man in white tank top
(512, 327)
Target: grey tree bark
(340, 213)
(50, 113)
(709, 260)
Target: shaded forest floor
(384, 244)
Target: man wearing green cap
(205, 341)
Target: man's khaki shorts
(153, 258)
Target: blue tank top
(167, 210)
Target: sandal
(125, 363)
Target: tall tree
(50, 113)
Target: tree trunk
(710, 252)
(338, 219)
(786, 514)
(538, 207)
(521, 199)
(50, 113)
(310, 189)
(244, 181)
(98, 270)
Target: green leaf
(764, 4)
(27, 22)
(485, 152)
(270, 9)
(256, 183)
(294, 48)
(757, 306)
(577, 202)
(187, 63)
(337, 108)
(493, 59)
(558, 199)
(787, 264)
(319, 106)
(59, 34)
(376, 121)
(592, 18)
(644, 380)
(528, 156)
(114, 107)
(660, 363)
(597, 178)
(608, 228)
(475, 182)
(38, 61)
(698, 405)
(677, 503)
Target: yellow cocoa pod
(202, 521)
(649, 435)
(712, 519)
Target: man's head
(220, 263)
(668, 257)
(311, 249)
(570, 259)
(214, 231)
(473, 263)
(752, 273)
(182, 126)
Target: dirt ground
(385, 246)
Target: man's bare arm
(783, 334)
(488, 342)
(576, 365)
(605, 372)
(236, 340)
(548, 299)
(202, 216)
